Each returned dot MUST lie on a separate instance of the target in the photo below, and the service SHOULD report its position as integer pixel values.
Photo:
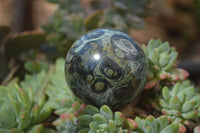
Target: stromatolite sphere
(105, 66)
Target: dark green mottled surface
(105, 66)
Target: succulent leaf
(107, 112)
(91, 110)
(39, 129)
(17, 43)
(173, 128)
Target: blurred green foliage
(15, 44)
(70, 20)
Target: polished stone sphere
(105, 66)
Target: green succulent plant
(24, 105)
(93, 120)
(153, 125)
(70, 20)
(61, 99)
(65, 25)
(180, 103)
(90, 119)
(162, 64)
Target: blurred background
(33, 33)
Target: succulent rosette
(156, 125)
(90, 119)
(162, 64)
(23, 106)
(180, 102)
(93, 120)
(61, 99)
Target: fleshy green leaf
(173, 128)
(107, 112)
(100, 118)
